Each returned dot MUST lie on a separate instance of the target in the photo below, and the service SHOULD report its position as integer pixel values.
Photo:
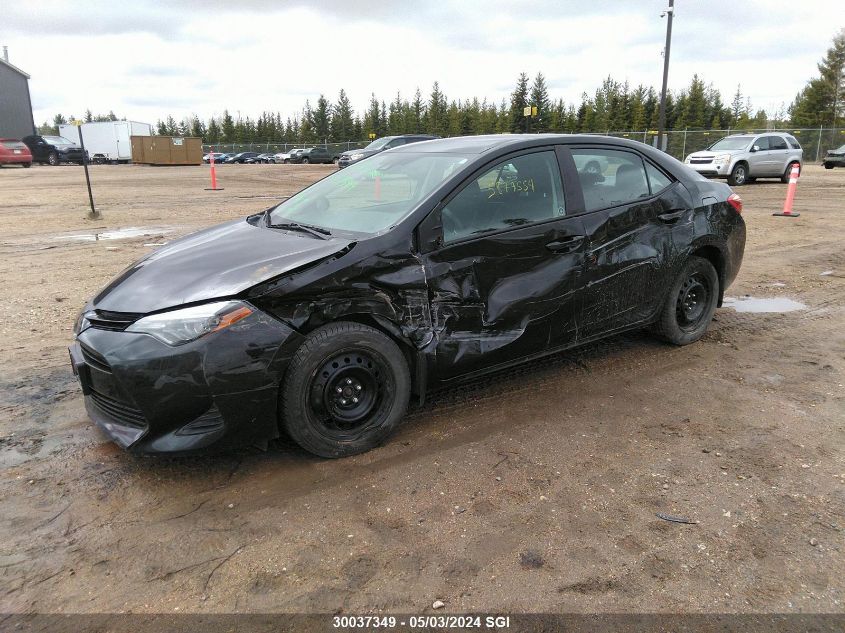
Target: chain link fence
(680, 143)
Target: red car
(14, 152)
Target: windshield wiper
(316, 231)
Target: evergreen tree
(436, 122)
(822, 100)
(417, 113)
(540, 98)
(342, 123)
(519, 99)
(228, 128)
(322, 119)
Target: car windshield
(841, 148)
(57, 140)
(731, 142)
(370, 196)
(378, 144)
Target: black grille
(121, 413)
(700, 161)
(94, 359)
(115, 321)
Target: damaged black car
(326, 316)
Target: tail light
(736, 202)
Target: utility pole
(661, 124)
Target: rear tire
(690, 304)
(785, 178)
(739, 175)
(345, 391)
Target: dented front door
(511, 270)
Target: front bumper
(219, 391)
(72, 157)
(711, 170)
(836, 161)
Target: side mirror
(755, 148)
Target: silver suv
(743, 158)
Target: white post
(819, 144)
(684, 150)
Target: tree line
(614, 107)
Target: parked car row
(36, 148)
(301, 155)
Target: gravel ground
(536, 490)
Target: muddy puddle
(763, 304)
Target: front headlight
(356, 156)
(687, 159)
(723, 158)
(81, 323)
(188, 324)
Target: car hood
(365, 152)
(716, 152)
(218, 262)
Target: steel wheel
(348, 393)
(691, 304)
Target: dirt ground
(532, 491)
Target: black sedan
(241, 157)
(834, 158)
(324, 316)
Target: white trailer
(107, 141)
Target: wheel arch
(414, 357)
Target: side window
(517, 191)
(610, 177)
(657, 180)
(762, 143)
(777, 142)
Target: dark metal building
(16, 119)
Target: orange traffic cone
(214, 186)
(790, 193)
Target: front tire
(690, 304)
(345, 391)
(739, 175)
(27, 165)
(305, 161)
(53, 159)
(828, 165)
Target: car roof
(487, 142)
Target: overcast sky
(147, 59)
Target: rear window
(793, 142)
(12, 144)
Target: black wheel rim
(349, 393)
(693, 302)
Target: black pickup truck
(313, 155)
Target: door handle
(565, 244)
(671, 216)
